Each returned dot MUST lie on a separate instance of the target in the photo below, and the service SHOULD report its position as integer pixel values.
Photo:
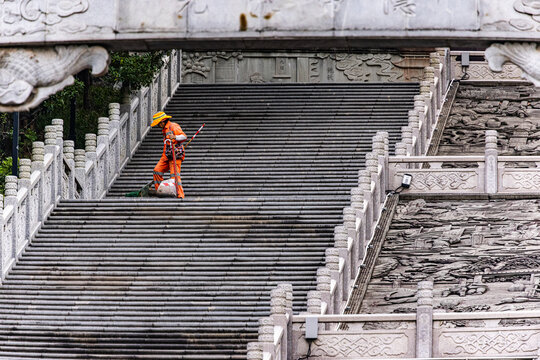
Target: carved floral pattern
(521, 181)
(19, 14)
(444, 181)
(356, 66)
(500, 343)
(380, 345)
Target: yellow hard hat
(156, 119)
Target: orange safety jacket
(173, 128)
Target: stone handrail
(424, 334)
(58, 171)
(361, 218)
(489, 174)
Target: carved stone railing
(361, 219)
(58, 171)
(416, 136)
(424, 334)
(489, 174)
(479, 70)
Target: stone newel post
(323, 286)
(491, 159)
(254, 351)
(341, 243)
(424, 320)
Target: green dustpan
(143, 192)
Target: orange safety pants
(163, 165)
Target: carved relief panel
(248, 67)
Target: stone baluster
(357, 203)
(407, 138)
(491, 162)
(10, 193)
(80, 173)
(24, 183)
(38, 156)
(378, 148)
(424, 320)
(50, 148)
(114, 125)
(69, 156)
(103, 140)
(314, 302)
(349, 222)
(2, 238)
(266, 335)
(414, 123)
(401, 150)
(372, 166)
(288, 288)
(332, 263)
(279, 315)
(341, 244)
(420, 107)
(435, 63)
(254, 351)
(323, 287)
(364, 182)
(90, 147)
(59, 125)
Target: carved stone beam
(28, 76)
(525, 55)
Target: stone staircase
(265, 183)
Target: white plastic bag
(167, 188)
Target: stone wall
(211, 67)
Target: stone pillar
(372, 165)
(349, 222)
(11, 199)
(103, 139)
(69, 156)
(341, 243)
(80, 172)
(378, 146)
(323, 287)
(1, 238)
(332, 263)
(288, 288)
(314, 302)
(491, 159)
(90, 146)
(38, 155)
(50, 148)
(357, 203)
(114, 124)
(278, 311)
(266, 335)
(414, 123)
(25, 171)
(364, 182)
(254, 351)
(407, 138)
(424, 320)
(59, 125)
(420, 107)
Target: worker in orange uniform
(173, 132)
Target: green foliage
(5, 170)
(130, 70)
(134, 70)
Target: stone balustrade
(488, 174)
(59, 171)
(360, 219)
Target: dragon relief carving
(29, 76)
(524, 55)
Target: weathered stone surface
(305, 23)
(257, 67)
(481, 255)
(512, 110)
(524, 55)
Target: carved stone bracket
(29, 76)
(524, 55)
